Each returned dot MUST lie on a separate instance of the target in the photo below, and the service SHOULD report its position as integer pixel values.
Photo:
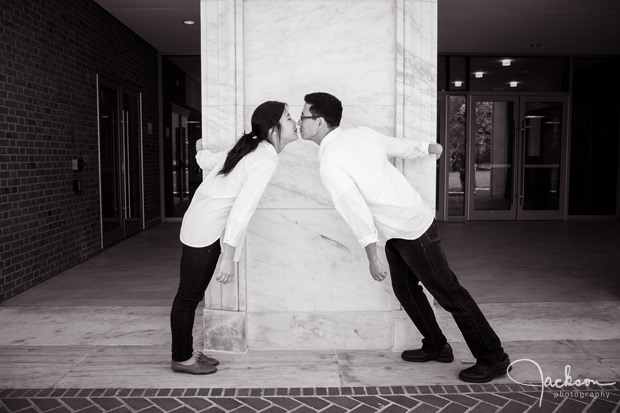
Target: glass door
(180, 161)
(542, 158)
(517, 158)
(120, 161)
(109, 165)
(492, 158)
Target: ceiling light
(536, 45)
(478, 74)
(513, 84)
(458, 83)
(506, 62)
(189, 22)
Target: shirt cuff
(231, 242)
(368, 239)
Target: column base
(406, 335)
(324, 330)
(225, 331)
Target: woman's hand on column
(227, 271)
(227, 265)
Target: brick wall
(50, 53)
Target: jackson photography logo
(549, 383)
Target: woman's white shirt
(223, 205)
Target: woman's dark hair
(266, 116)
(326, 106)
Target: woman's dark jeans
(197, 267)
(423, 260)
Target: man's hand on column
(375, 265)
(377, 271)
(435, 149)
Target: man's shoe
(208, 360)
(420, 355)
(479, 373)
(197, 368)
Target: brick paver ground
(508, 398)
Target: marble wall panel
(311, 262)
(342, 47)
(220, 74)
(417, 74)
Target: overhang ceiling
(567, 27)
(559, 27)
(160, 22)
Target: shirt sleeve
(247, 200)
(350, 204)
(404, 148)
(208, 160)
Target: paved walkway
(509, 398)
(96, 338)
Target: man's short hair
(326, 106)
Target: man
(376, 200)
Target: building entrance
(506, 157)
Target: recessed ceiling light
(513, 84)
(189, 22)
(458, 83)
(478, 74)
(506, 62)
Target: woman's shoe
(198, 367)
(208, 360)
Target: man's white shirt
(373, 197)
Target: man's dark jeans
(197, 267)
(423, 260)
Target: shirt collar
(327, 139)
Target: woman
(218, 217)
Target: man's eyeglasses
(304, 117)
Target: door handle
(128, 169)
(515, 151)
(521, 165)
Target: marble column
(303, 281)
